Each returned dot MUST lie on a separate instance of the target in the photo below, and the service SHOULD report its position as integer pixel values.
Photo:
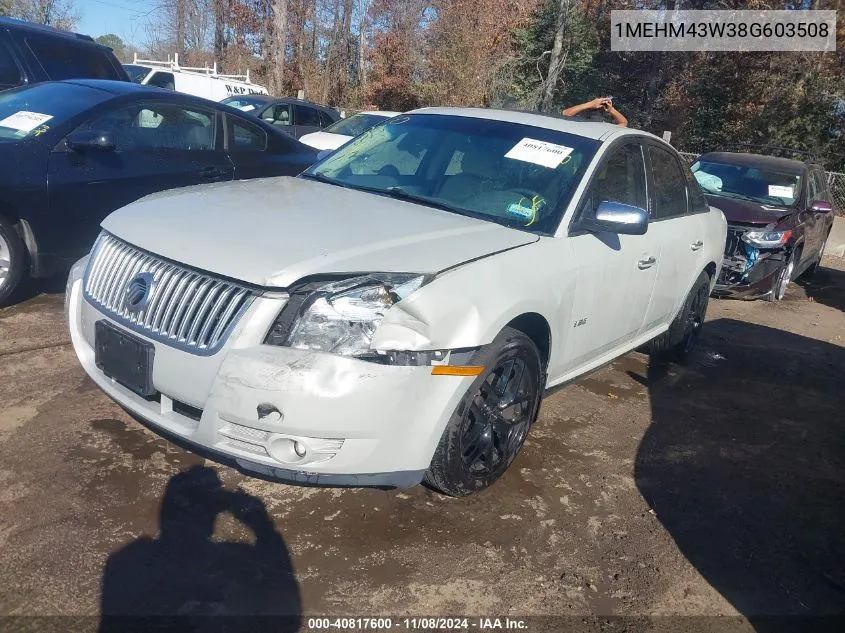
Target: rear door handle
(646, 263)
(696, 245)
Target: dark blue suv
(30, 53)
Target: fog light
(299, 449)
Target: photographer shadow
(185, 581)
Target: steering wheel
(389, 170)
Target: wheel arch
(536, 327)
(23, 229)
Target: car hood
(746, 211)
(272, 232)
(325, 140)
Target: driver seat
(479, 170)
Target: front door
(158, 146)
(307, 120)
(616, 273)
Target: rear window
(32, 110)
(10, 74)
(136, 73)
(62, 59)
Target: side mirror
(820, 206)
(91, 141)
(615, 217)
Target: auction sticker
(780, 191)
(24, 121)
(542, 153)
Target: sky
(125, 18)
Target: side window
(620, 178)
(10, 74)
(307, 116)
(697, 202)
(62, 59)
(669, 195)
(162, 80)
(245, 137)
(325, 120)
(279, 114)
(157, 127)
(818, 181)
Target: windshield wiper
(400, 194)
(325, 179)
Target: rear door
(256, 153)
(306, 120)
(159, 145)
(677, 235)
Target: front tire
(677, 343)
(12, 260)
(491, 422)
(783, 278)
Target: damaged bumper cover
(284, 414)
(747, 271)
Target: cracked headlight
(341, 317)
(767, 239)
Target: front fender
(468, 306)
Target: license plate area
(124, 358)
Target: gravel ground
(710, 489)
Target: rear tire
(12, 260)
(491, 422)
(676, 344)
(812, 270)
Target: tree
(113, 42)
(60, 14)
(278, 47)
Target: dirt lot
(711, 489)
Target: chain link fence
(835, 182)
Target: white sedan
(396, 313)
(346, 129)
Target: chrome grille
(184, 308)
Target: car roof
(754, 160)
(117, 87)
(387, 114)
(290, 100)
(570, 125)
(14, 23)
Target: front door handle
(696, 245)
(646, 263)
(210, 173)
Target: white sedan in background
(345, 130)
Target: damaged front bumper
(747, 272)
(289, 415)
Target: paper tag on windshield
(247, 108)
(542, 153)
(779, 191)
(24, 121)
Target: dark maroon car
(779, 216)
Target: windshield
(356, 124)
(247, 104)
(757, 184)
(513, 174)
(136, 73)
(27, 112)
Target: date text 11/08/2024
(429, 623)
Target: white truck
(198, 81)
(397, 311)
